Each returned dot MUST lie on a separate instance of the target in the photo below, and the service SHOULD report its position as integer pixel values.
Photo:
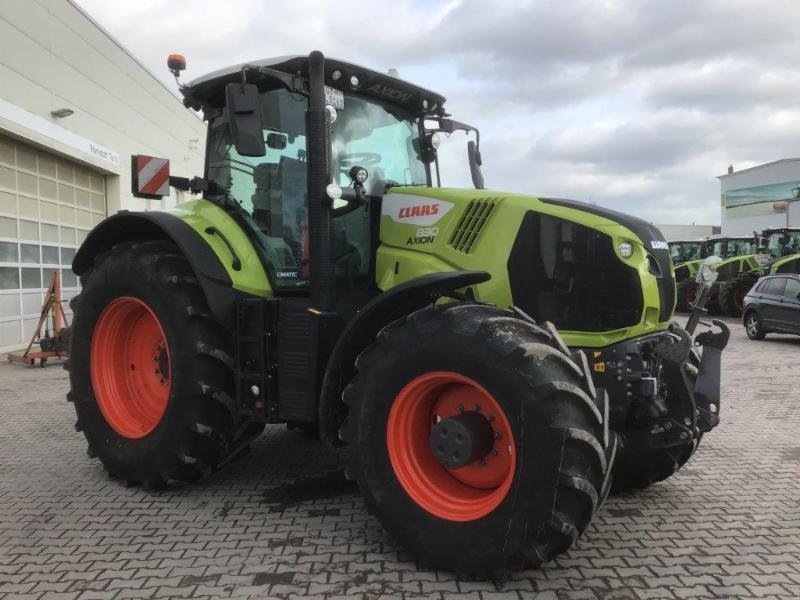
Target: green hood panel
(787, 264)
(433, 229)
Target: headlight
(625, 249)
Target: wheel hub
(461, 439)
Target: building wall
(52, 56)
(760, 197)
(687, 232)
(60, 177)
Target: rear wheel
(151, 372)
(686, 295)
(476, 439)
(754, 326)
(731, 296)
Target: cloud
(634, 105)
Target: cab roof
(209, 89)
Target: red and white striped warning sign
(150, 176)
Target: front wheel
(476, 439)
(754, 326)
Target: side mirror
(474, 156)
(149, 177)
(244, 115)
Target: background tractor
(687, 255)
(780, 249)
(738, 256)
(491, 362)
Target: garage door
(47, 206)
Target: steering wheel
(362, 159)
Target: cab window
(271, 188)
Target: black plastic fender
(127, 226)
(362, 329)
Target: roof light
(358, 174)
(354, 81)
(336, 75)
(176, 63)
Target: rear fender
(208, 269)
(389, 306)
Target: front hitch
(693, 404)
(707, 384)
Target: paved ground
(283, 523)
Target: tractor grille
(471, 223)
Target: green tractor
(780, 250)
(738, 256)
(492, 363)
(687, 256)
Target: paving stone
(726, 526)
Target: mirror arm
(293, 83)
(354, 196)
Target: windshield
(383, 140)
(740, 247)
(776, 241)
(686, 251)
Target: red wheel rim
(130, 367)
(462, 494)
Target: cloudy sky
(637, 105)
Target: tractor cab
(779, 243)
(682, 251)
(384, 132)
(731, 247)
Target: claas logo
(418, 211)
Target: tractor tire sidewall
(538, 449)
(729, 292)
(685, 288)
(151, 457)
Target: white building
(761, 197)
(74, 106)
(674, 233)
